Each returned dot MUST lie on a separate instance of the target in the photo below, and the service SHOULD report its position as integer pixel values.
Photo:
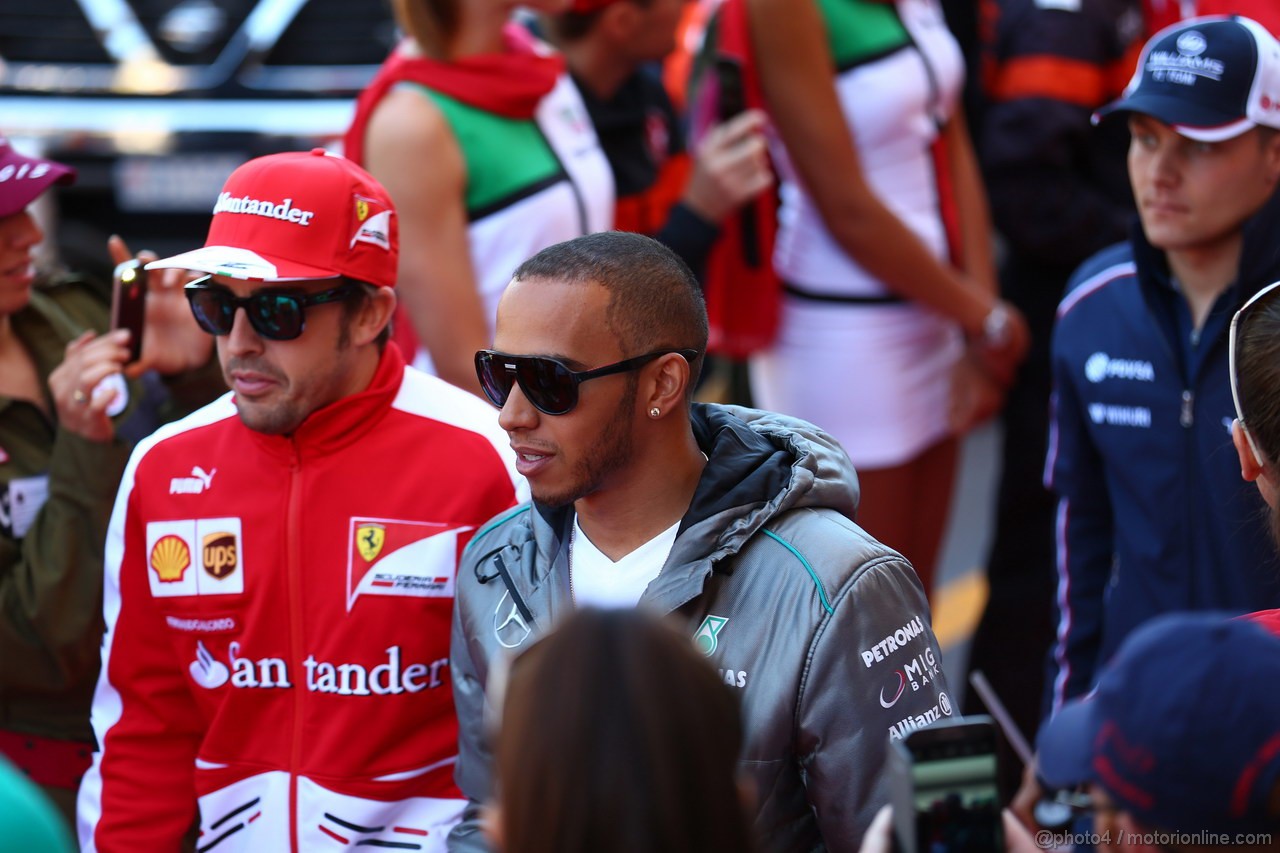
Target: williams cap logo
(708, 631)
(219, 554)
(170, 558)
(369, 539)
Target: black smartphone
(946, 789)
(732, 101)
(732, 97)
(129, 303)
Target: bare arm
(411, 150)
(796, 75)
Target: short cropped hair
(655, 302)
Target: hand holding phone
(129, 303)
(945, 788)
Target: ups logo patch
(219, 553)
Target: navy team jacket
(1153, 515)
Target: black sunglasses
(277, 314)
(548, 383)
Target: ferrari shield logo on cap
(369, 539)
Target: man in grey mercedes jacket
(732, 522)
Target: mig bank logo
(705, 637)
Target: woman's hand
(730, 168)
(80, 396)
(171, 341)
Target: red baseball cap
(22, 179)
(296, 216)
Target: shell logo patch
(170, 558)
(412, 559)
(171, 544)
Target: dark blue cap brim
(1064, 747)
(1179, 113)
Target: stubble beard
(612, 451)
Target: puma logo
(193, 485)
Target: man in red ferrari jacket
(280, 564)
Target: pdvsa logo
(1101, 366)
(170, 549)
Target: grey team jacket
(823, 631)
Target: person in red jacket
(280, 564)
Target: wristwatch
(997, 330)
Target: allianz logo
(1101, 366)
(1125, 416)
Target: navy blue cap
(1183, 729)
(1209, 78)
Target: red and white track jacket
(278, 613)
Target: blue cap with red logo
(1183, 729)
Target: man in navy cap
(1180, 744)
(1151, 517)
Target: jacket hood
(760, 465)
(768, 463)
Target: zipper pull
(1187, 418)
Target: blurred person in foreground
(1255, 388)
(679, 197)
(485, 146)
(1152, 516)
(70, 409)
(732, 523)
(1180, 743)
(280, 564)
(617, 735)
